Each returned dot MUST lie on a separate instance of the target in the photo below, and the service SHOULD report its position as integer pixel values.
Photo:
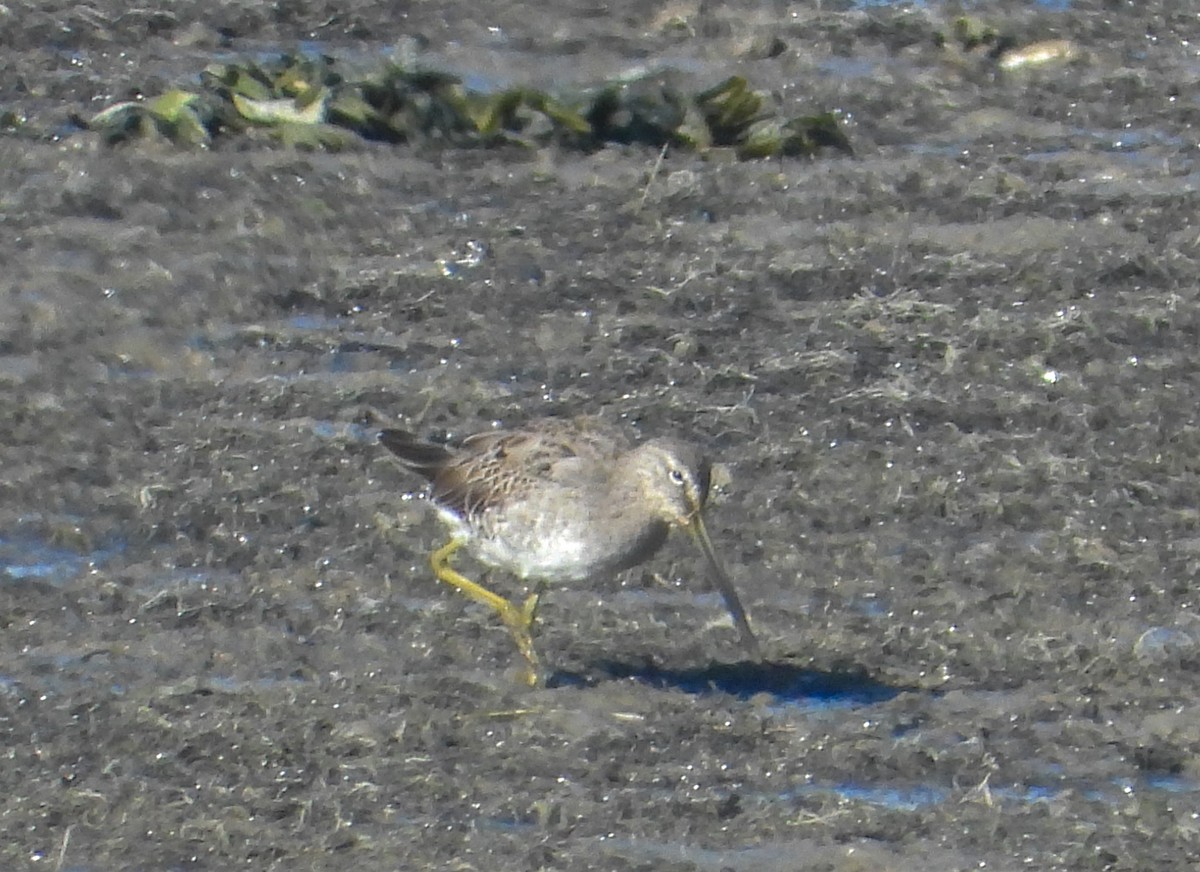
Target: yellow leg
(518, 620)
(530, 607)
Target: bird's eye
(676, 476)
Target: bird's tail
(416, 454)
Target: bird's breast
(564, 547)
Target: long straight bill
(725, 586)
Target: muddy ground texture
(954, 378)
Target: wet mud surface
(953, 378)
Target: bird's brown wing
(492, 465)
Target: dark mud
(954, 378)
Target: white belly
(563, 549)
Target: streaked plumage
(563, 501)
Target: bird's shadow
(787, 683)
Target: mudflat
(952, 379)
